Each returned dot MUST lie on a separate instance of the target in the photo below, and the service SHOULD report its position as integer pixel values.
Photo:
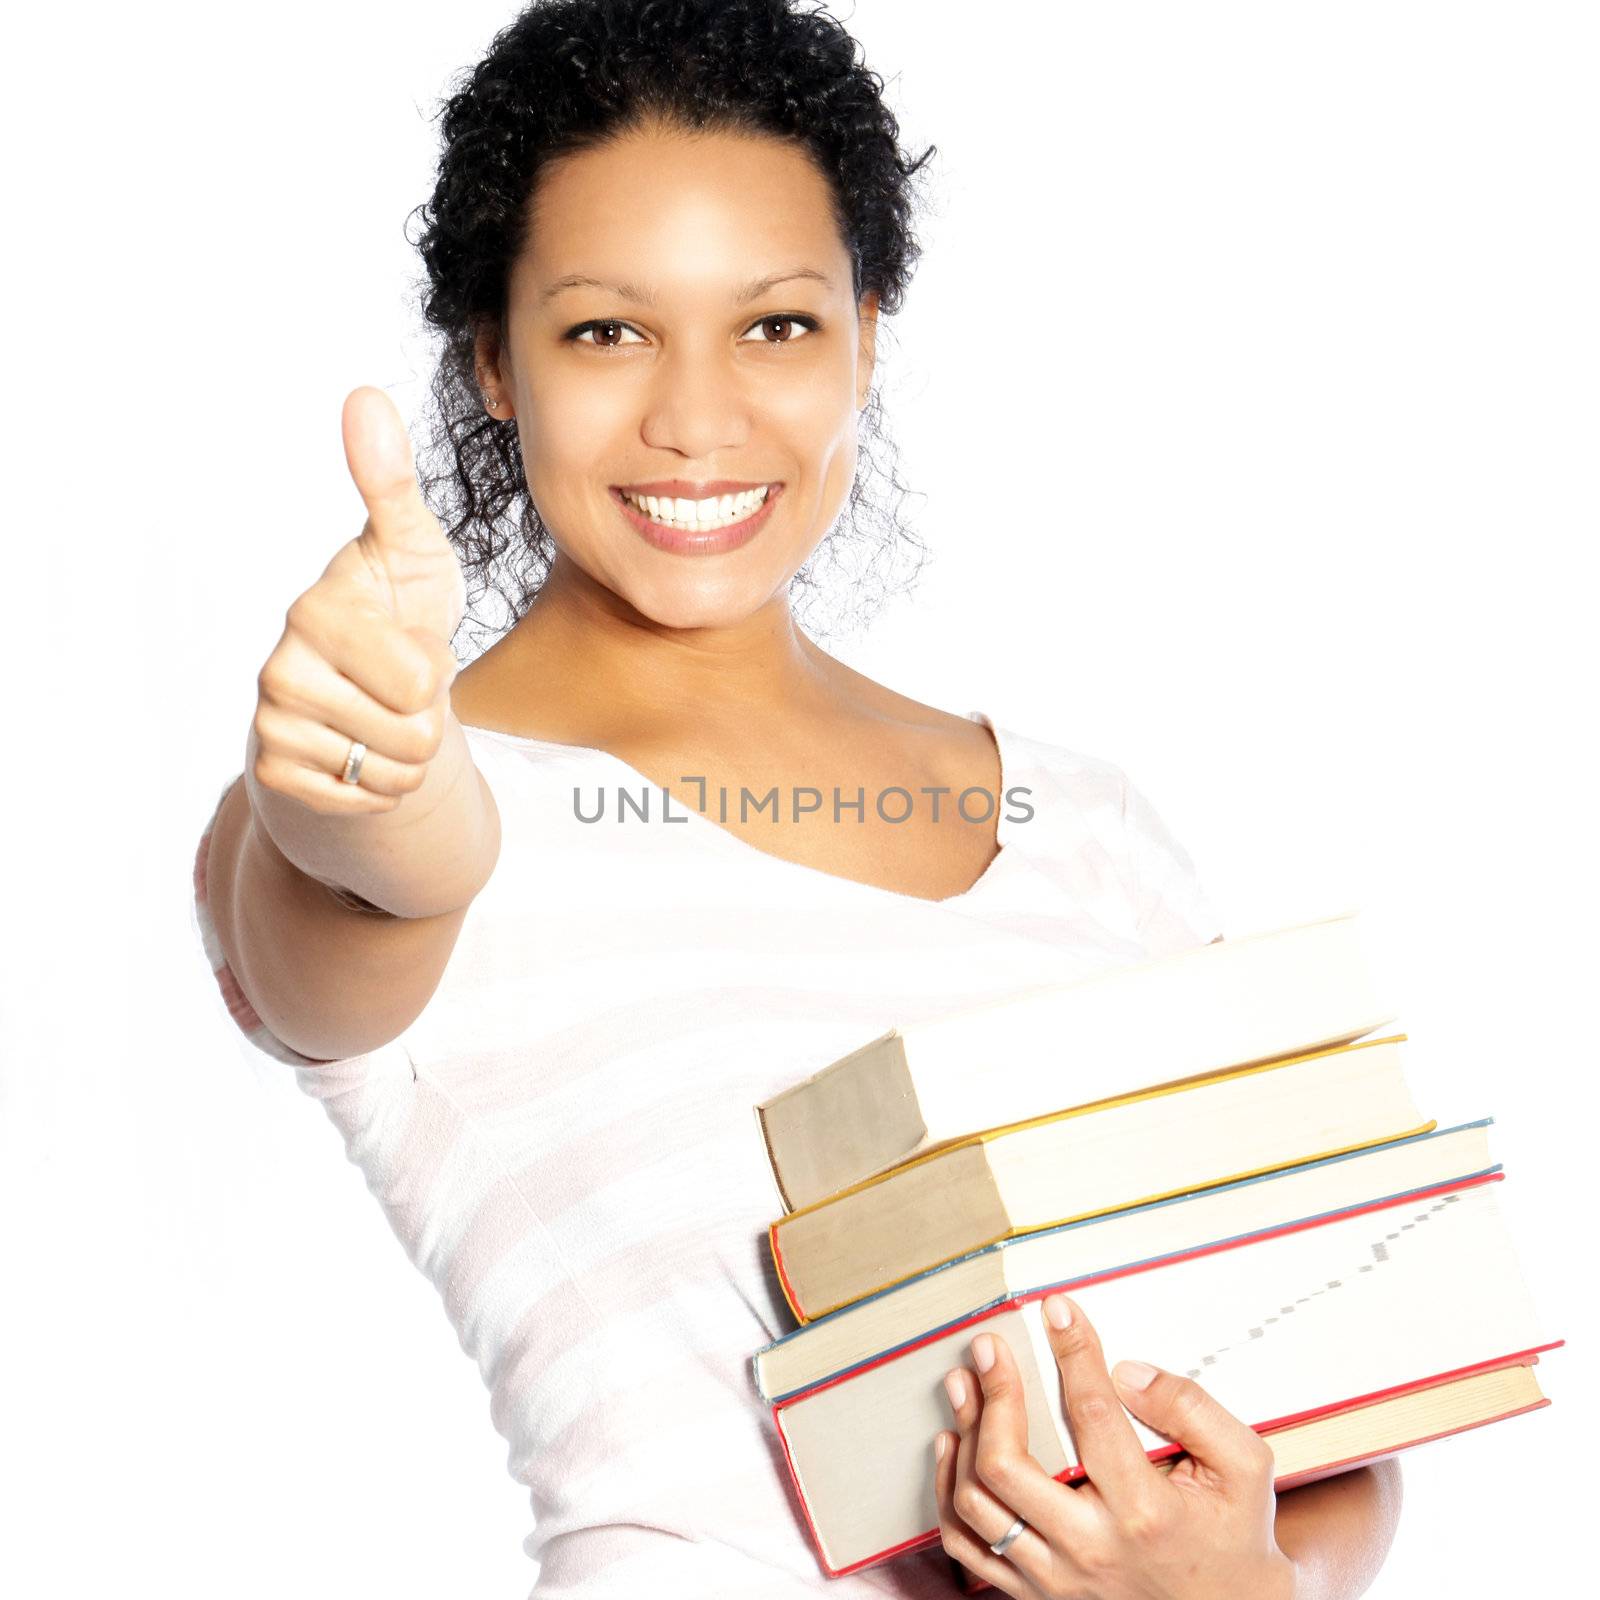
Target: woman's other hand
(1203, 1531)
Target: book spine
(783, 1276)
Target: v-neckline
(990, 871)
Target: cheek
(834, 438)
(816, 417)
(840, 471)
(569, 432)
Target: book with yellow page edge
(1091, 1159)
(1233, 1003)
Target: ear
(492, 369)
(867, 351)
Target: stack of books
(1239, 1188)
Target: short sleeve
(232, 997)
(1172, 909)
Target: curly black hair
(567, 75)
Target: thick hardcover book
(1234, 1003)
(1358, 1436)
(1280, 1327)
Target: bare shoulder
(944, 740)
(880, 700)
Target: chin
(689, 604)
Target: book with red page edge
(1520, 1358)
(931, 1536)
(969, 1582)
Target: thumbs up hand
(365, 653)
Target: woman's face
(714, 345)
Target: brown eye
(607, 333)
(786, 326)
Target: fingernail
(1057, 1312)
(955, 1386)
(940, 1445)
(983, 1352)
(1134, 1374)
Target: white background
(1249, 379)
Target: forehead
(681, 207)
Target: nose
(696, 405)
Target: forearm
(1338, 1531)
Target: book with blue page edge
(787, 1367)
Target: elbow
(1385, 1494)
(1390, 1490)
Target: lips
(682, 489)
(745, 516)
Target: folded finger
(322, 751)
(303, 683)
(961, 1498)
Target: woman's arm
(1338, 1531)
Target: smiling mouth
(698, 516)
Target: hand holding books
(1203, 1531)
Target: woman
(657, 252)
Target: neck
(590, 660)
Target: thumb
(378, 453)
(1186, 1413)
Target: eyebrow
(646, 297)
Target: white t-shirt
(564, 1140)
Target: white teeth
(701, 516)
